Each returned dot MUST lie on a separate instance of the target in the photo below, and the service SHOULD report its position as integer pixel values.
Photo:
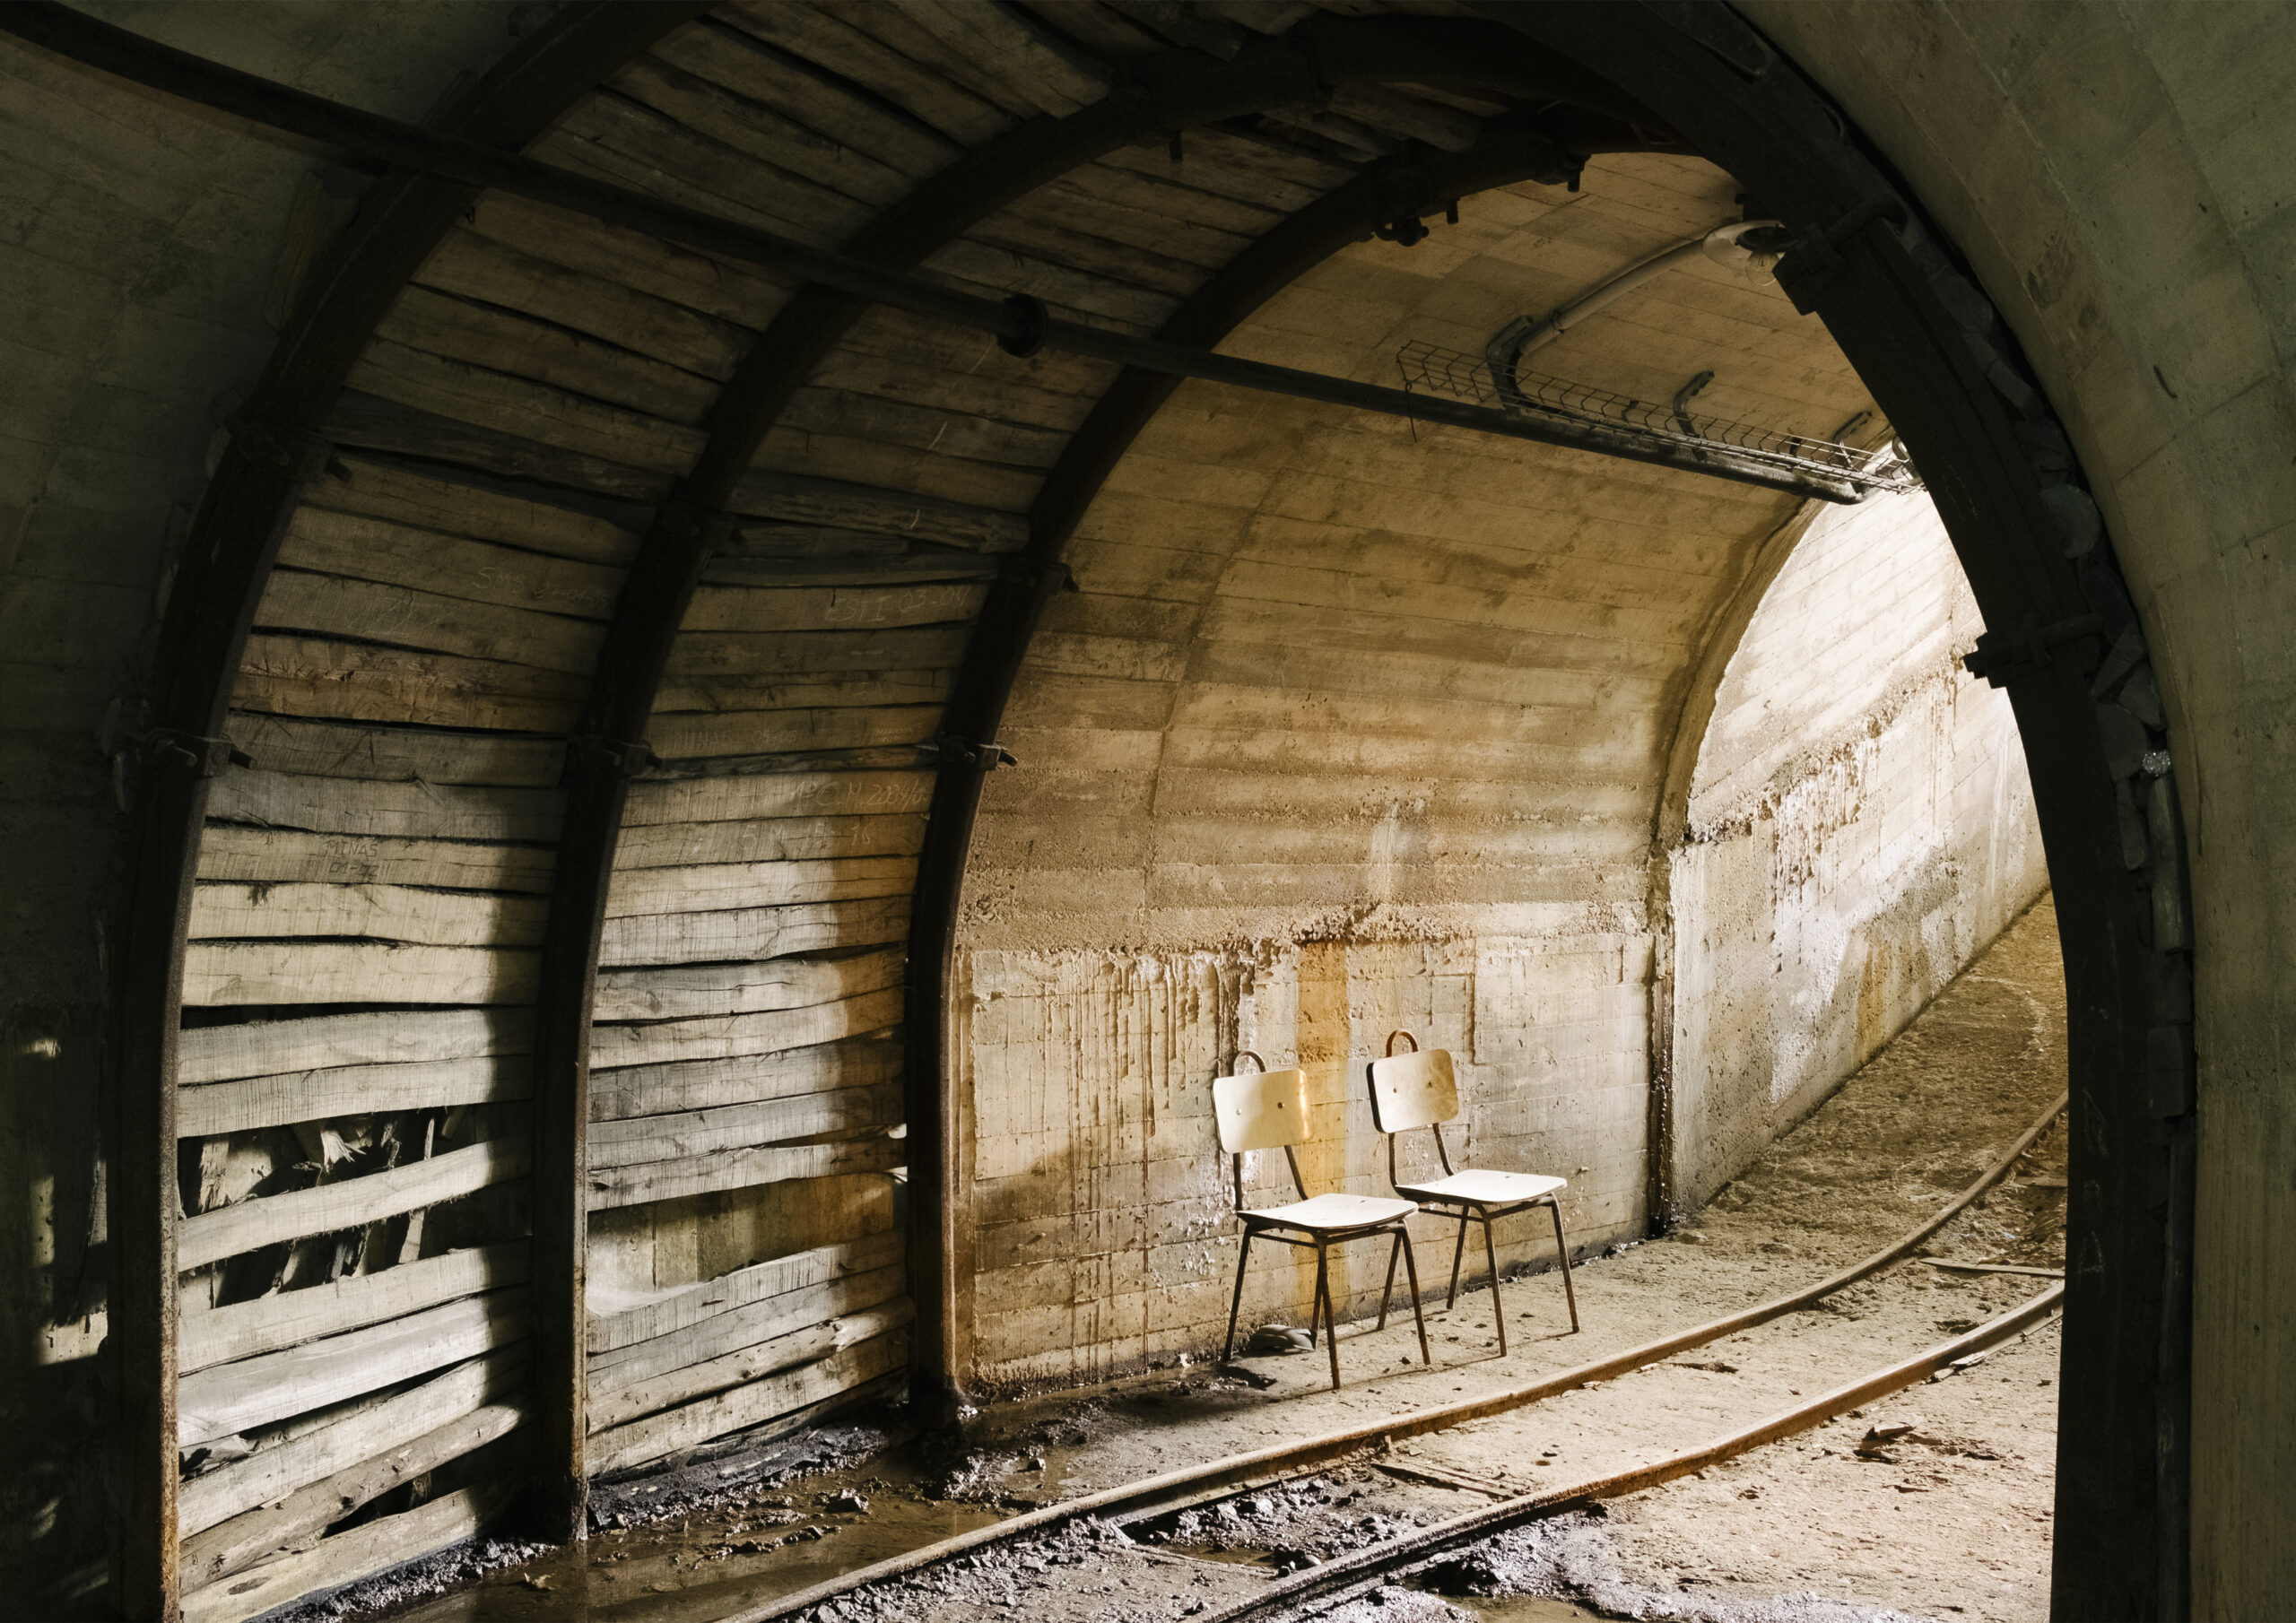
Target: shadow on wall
(1860, 825)
(1105, 1236)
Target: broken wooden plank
(613, 1403)
(298, 603)
(232, 1546)
(560, 523)
(614, 1186)
(292, 1456)
(371, 422)
(802, 499)
(356, 1553)
(622, 1446)
(259, 1048)
(763, 1319)
(245, 1330)
(666, 1089)
(228, 1398)
(515, 344)
(329, 1207)
(311, 1095)
(681, 1305)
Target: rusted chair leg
(1458, 1251)
(1491, 1253)
(1387, 1290)
(1315, 1302)
(1236, 1303)
(1410, 1263)
(1562, 1250)
(1331, 1319)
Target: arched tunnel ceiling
(1322, 661)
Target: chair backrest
(1412, 1090)
(1262, 1109)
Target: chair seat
(1476, 1188)
(1328, 1212)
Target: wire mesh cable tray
(1458, 376)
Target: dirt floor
(1950, 1520)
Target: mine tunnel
(1137, 809)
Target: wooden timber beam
(227, 557)
(1999, 465)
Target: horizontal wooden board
(686, 991)
(854, 54)
(213, 1108)
(739, 294)
(247, 1329)
(816, 100)
(700, 1133)
(245, 1540)
(939, 428)
(552, 417)
(760, 732)
(356, 1553)
(773, 839)
(738, 1169)
(613, 1403)
(768, 690)
(360, 548)
(831, 608)
(253, 1392)
(702, 1084)
(758, 129)
(803, 498)
(219, 974)
(263, 1048)
(235, 852)
(719, 887)
(372, 422)
(719, 654)
(621, 136)
(323, 605)
(749, 1405)
(758, 1318)
(319, 749)
(498, 272)
(444, 324)
(726, 1036)
(560, 523)
(753, 932)
(388, 913)
(330, 1208)
(359, 682)
(413, 810)
(298, 1455)
(791, 794)
(681, 1305)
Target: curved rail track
(1363, 1567)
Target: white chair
(1268, 1110)
(1414, 1090)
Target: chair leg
(1490, 1253)
(1562, 1250)
(1387, 1291)
(1458, 1251)
(1315, 1302)
(1235, 1305)
(1331, 1319)
(1411, 1263)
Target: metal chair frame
(1467, 1211)
(1319, 1240)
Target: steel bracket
(595, 752)
(954, 750)
(2001, 657)
(1812, 264)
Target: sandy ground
(1952, 1521)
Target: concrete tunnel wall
(1860, 826)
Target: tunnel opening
(770, 628)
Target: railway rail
(1260, 1468)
